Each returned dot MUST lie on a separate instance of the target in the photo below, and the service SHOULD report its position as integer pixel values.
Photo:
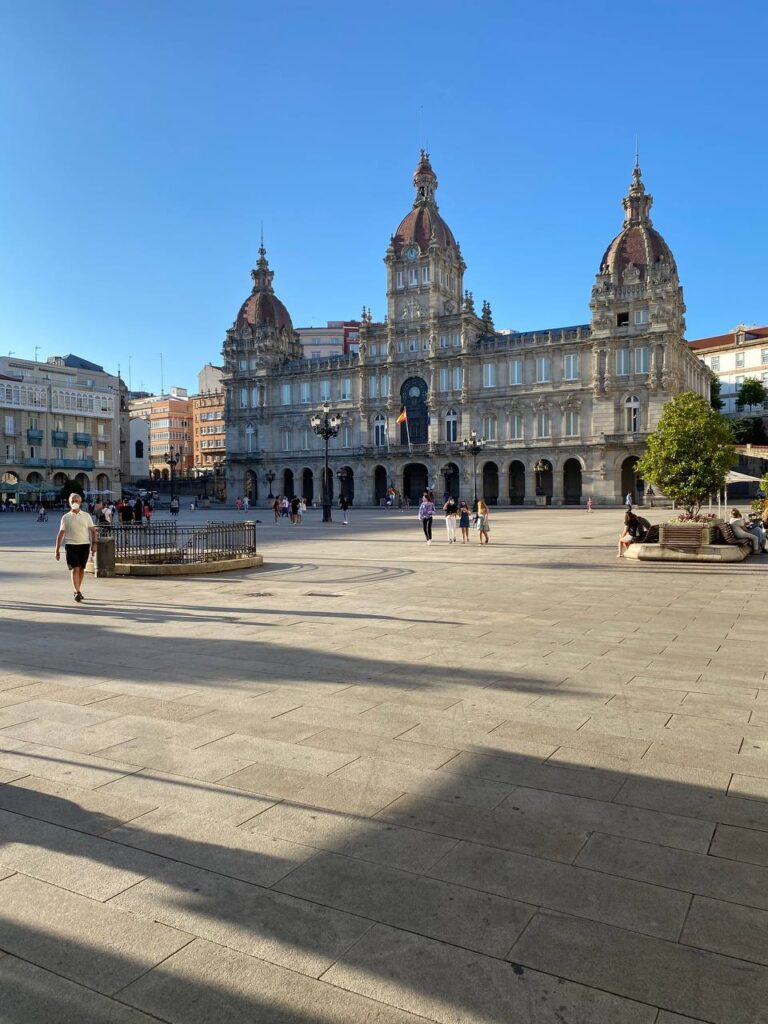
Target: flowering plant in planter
(698, 519)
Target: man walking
(79, 536)
(344, 506)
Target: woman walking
(464, 522)
(450, 509)
(483, 527)
(426, 512)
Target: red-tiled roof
(724, 340)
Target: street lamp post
(474, 444)
(173, 457)
(326, 425)
(270, 478)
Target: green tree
(715, 387)
(748, 429)
(751, 392)
(689, 454)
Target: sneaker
(429, 542)
(78, 596)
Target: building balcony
(81, 440)
(34, 437)
(72, 464)
(637, 438)
(59, 438)
(36, 462)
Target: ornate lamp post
(326, 425)
(270, 477)
(540, 468)
(173, 457)
(474, 444)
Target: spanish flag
(403, 417)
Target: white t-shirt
(77, 527)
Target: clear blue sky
(144, 143)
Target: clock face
(411, 253)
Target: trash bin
(105, 555)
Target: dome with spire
(262, 308)
(638, 244)
(423, 224)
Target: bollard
(105, 555)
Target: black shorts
(77, 555)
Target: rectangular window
(425, 275)
(304, 440)
(285, 394)
(399, 280)
(622, 319)
(571, 366)
(372, 387)
(763, 355)
(443, 341)
(543, 369)
(516, 371)
(380, 432)
(457, 341)
(445, 378)
(346, 437)
(516, 426)
(641, 317)
(286, 440)
(243, 398)
(489, 428)
(739, 359)
(10, 453)
(642, 356)
(384, 385)
(489, 375)
(413, 276)
(458, 378)
(571, 421)
(401, 346)
(413, 345)
(325, 391)
(451, 428)
(305, 392)
(346, 389)
(101, 456)
(252, 364)
(543, 425)
(622, 362)
(632, 419)
(10, 425)
(243, 364)
(715, 363)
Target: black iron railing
(166, 543)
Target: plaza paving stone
(380, 781)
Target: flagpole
(408, 433)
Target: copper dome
(638, 243)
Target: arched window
(139, 449)
(451, 426)
(380, 430)
(632, 414)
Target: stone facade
(564, 412)
(63, 419)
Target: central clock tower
(425, 269)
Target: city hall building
(563, 413)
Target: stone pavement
(380, 781)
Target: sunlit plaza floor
(383, 781)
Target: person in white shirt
(79, 535)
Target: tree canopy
(751, 392)
(690, 452)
